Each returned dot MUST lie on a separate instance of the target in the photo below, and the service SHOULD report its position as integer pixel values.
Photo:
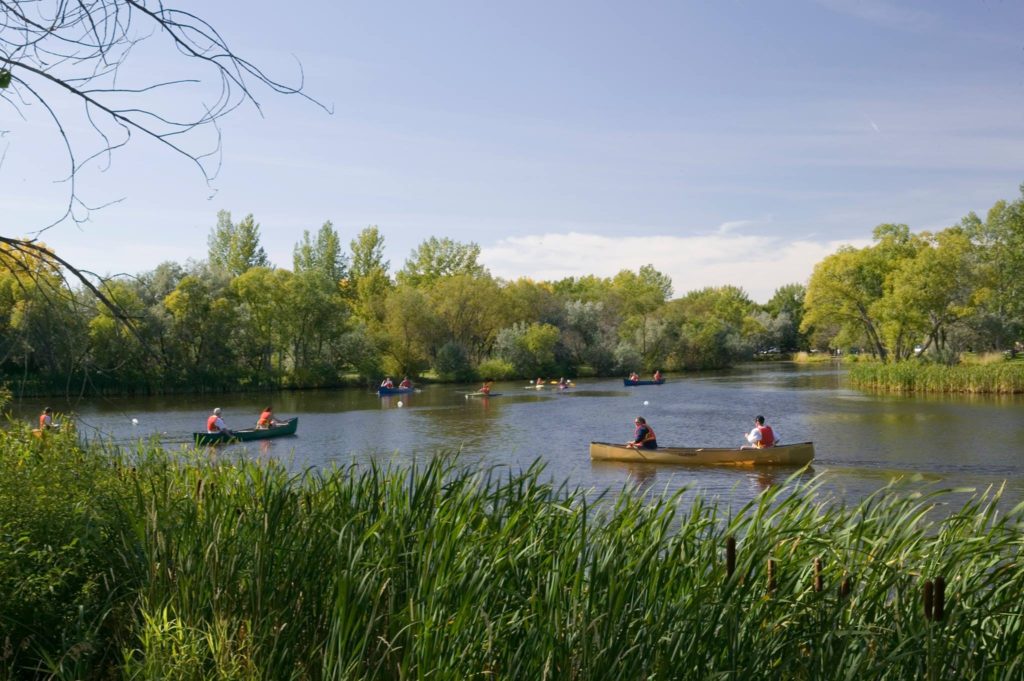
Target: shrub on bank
(245, 570)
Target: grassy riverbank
(152, 565)
(1003, 377)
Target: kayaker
(643, 436)
(406, 383)
(267, 420)
(486, 387)
(761, 435)
(215, 424)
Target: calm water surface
(862, 441)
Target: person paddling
(267, 420)
(215, 424)
(46, 420)
(486, 387)
(643, 436)
(761, 435)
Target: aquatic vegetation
(908, 377)
(203, 568)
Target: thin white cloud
(758, 264)
(881, 13)
(733, 225)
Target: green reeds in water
(245, 570)
(908, 377)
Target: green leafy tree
(846, 289)
(1000, 270)
(710, 328)
(438, 258)
(322, 255)
(369, 280)
(235, 248)
(934, 289)
(469, 308)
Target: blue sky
(723, 142)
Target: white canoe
(798, 454)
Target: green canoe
(287, 428)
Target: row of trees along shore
(234, 322)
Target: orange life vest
(43, 425)
(767, 437)
(650, 439)
(211, 424)
(265, 418)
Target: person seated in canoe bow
(761, 436)
(657, 375)
(267, 420)
(406, 383)
(387, 383)
(634, 377)
(643, 436)
(215, 424)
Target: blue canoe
(394, 391)
(628, 382)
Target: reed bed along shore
(155, 565)
(1001, 378)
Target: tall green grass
(907, 377)
(209, 569)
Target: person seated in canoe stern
(761, 435)
(387, 383)
(406, 383)
(643, 436)
(215, 424)
(657, 375)
(267, 420)
(46, 420)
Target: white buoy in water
(135, 422)
(646, 403)
(400, 405)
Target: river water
(862, 441)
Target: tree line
(342, 316)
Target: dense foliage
(936, 295)
(155, 565)
(232, 322)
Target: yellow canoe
(798, 454)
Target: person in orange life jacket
(267, 420)
(634, 377)
(46, 420)
(643, 436)
(215, 424)
(387, 383)
(406, 383)
(657, 375)
(486, 387)
(761, 436)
